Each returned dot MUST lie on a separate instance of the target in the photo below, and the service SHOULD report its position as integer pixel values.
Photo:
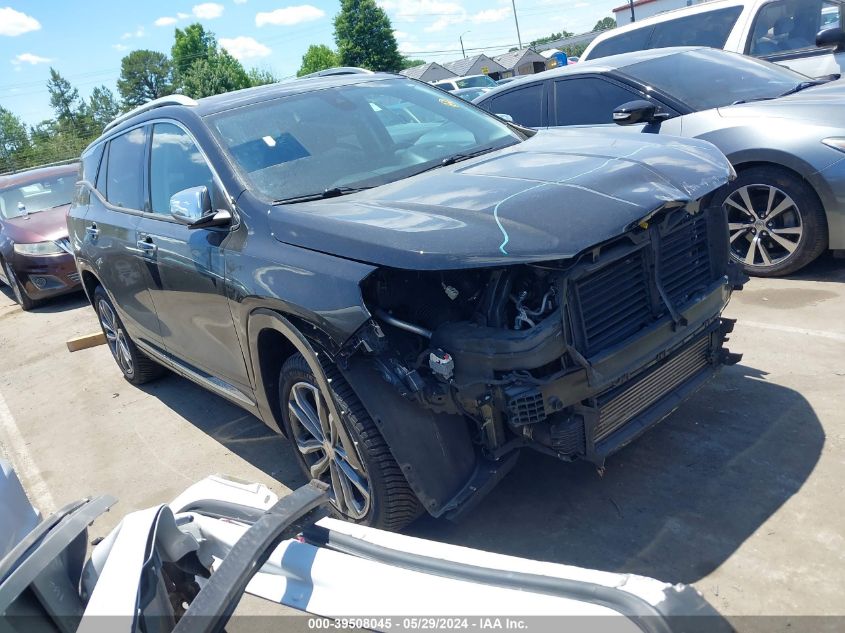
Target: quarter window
(176, 163)
(789, 25)
(525, 105)
(702, 29)
(125, 169)
(588, 101)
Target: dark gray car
(783, 133)
(408, 288)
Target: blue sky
(86, 39)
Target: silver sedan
(783, 132)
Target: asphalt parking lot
(739, 492)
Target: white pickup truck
(805, 35)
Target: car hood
(547, 198)
(42, 226)
(820, 105)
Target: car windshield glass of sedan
(705, 79)
(360, 135)
(36, 196)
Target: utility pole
(516, 21)
(461, 38)
(631, 2)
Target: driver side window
(786, 26)
(175, 164)
(588, 101)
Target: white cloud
(289, 15)
(29, 58)
(182, 16)
(400, 35)
(492, 15)
(243, 47)
(120, 47)
(16, 23)
(139, 32)
(208, 10)
(412, 10)
(165, 21)
(240, 1)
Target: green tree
(64, 98)
(14, 141)
(261, 77)
(317, 57)
(605, 24)
(407, 62)
(191, 45)
(364, 36)
(144, 75)
(218, 73)
(102, 106)
(550, 38)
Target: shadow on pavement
(825, 268)
(49, 306)
(240, 432)
(673, 505)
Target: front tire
(136, 366)
(376, 494)
(776, 223)
(18, 292)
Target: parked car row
(414, 290)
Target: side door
(185, 267)
(107, 233)
(784, 32)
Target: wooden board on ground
(84, 342)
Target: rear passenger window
(90, 164)
(702, 29)
(176, 163)
(782, 27)
(124, 187)
(588, 101)
(525, 105)
(635, 40)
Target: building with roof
(432, 71)
(647, 8)
(521, 62)
(476, 65)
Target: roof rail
(338, 70)
(151, 105)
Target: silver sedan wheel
(322, 441)
(765, 225)
(116, 338)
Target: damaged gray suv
(408, 288)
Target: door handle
(147, 246)
(92, 231)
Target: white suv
(780, 31)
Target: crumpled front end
(574, 358)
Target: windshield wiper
(456, 158)
(802, 86)
(331, 192)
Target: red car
(35, 256)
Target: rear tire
(387, 501)
(136, 366)
(18, 292)
(777, 224)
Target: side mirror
(639, 111)
(192, 207)
(831, 37)
(505, 117)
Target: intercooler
(624, 403)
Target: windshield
(36, 196)
(362, 135)
(704, 79)
(479, 81)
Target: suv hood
(42, 226)
(546, 198)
